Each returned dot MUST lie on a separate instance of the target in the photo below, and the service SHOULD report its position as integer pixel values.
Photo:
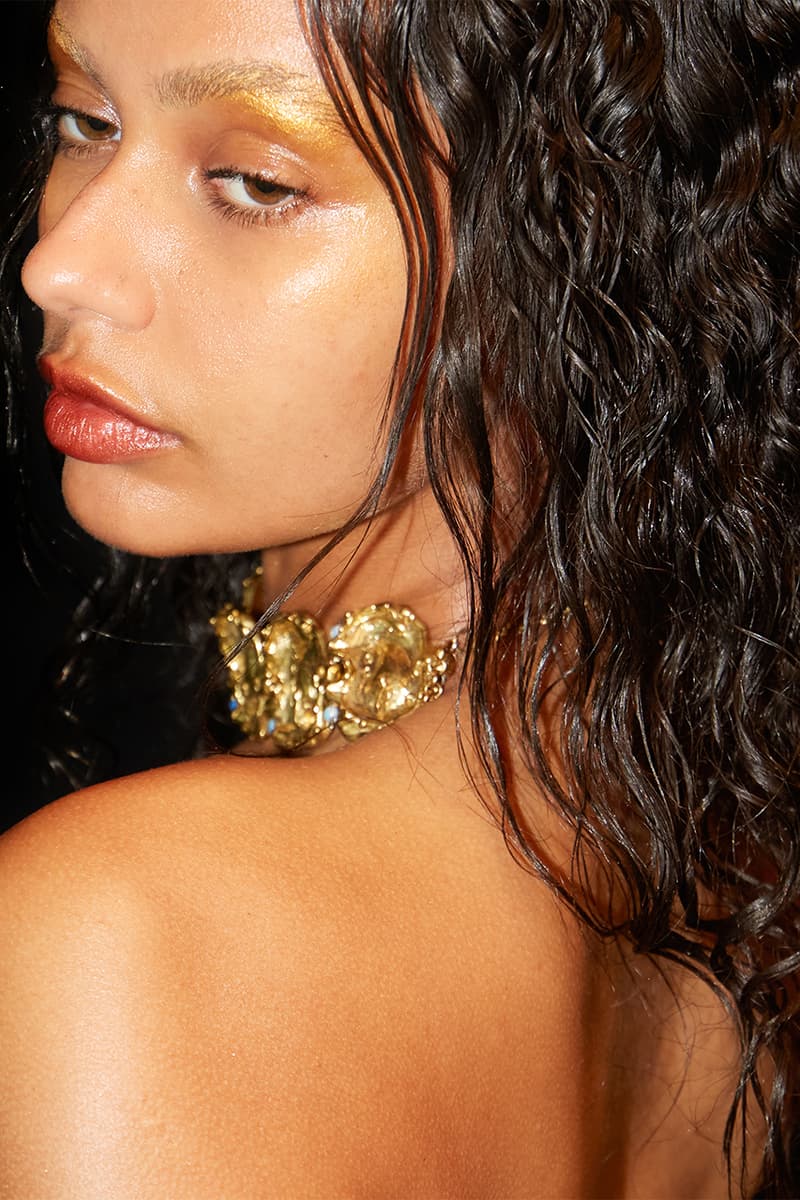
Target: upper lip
(64, 379)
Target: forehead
(161, 41)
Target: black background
(48, 563)
(36, 610)
(145, 704)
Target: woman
(487, 310)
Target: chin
(127, 509)
(127, 512)
(121, 535)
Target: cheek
(272, 360)
(310, 334)
(277, 371)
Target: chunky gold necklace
(294, 684)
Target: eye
(251, 191)
(252, 199)
(79, 129)
(83, 127)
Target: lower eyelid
(252, 216)
(70, 149)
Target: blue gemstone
(330, 714)
(272, 725)
(233, 704)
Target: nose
(88, 262)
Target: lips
(85, 421)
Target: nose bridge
(91, 260)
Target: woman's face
(218, 259)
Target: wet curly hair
(612, 427)
(609, 397)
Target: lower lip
(84, 430)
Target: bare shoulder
(148, 953)
(117, 851)
(243, 978)
(210, 967)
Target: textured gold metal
(291, 683)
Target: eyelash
(245, 216)
(51, 117)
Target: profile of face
(222, 276)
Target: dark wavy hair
(612, 429)
(609, 398)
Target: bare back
(249, 978)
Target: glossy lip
(85, 421)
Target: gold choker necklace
(292, 683)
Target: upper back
(248, 978)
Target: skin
(199, 317)
(316, 977)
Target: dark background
(142, 705)
(136, 695)
(37, 610)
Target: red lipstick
(84, 421)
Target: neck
(405, 555)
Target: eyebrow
(187, 87)
(66, 42)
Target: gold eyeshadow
(292, 102)
(62, 39)
(290, 115)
